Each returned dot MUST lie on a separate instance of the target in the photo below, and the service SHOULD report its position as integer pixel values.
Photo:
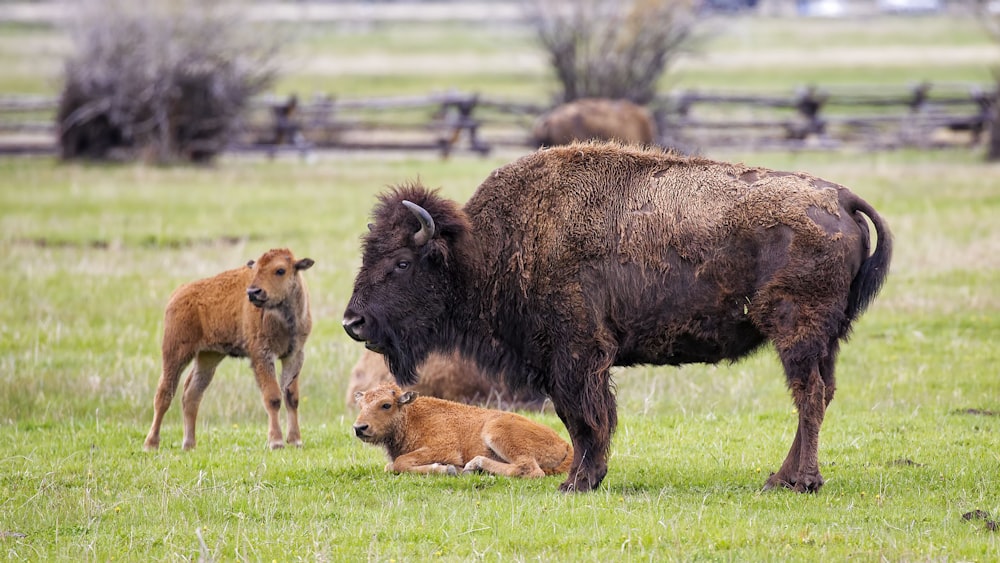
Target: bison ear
(407, 397)
(304, 264)
(371, 226)
(250, 264)
(357, 396)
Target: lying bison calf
(260, 311)
(429, 435)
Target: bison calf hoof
(452, 470)
(277, 445)
(151, 446)
(476, 464)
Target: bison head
(380, 411)
(406, 284)
(275, 277)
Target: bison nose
(256, 295)
(354, 324)
(359, 429)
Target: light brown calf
(260, 311)
(429, 435)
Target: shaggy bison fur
(575, 259)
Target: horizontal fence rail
(924, 115)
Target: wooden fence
(925, 115)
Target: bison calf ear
(250, 264)
(357, 396)
(407, 397)
(304, 264)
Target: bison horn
(426, 231)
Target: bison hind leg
(175, 359)
(810, 373)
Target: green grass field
(90, 253)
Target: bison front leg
(525, 467)
(263, 370)
(588, 409)
(420, 461)
(290, 369)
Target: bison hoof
(580, 485)
(807, 484)
(452, 470)
(476, 464)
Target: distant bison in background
(445, 376)
(260, 311)
(596, 119)
(571, 260)
(429, 435)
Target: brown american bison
(429, 435)
(596, 119)
(445, 376)
(260, 310)
(575, 259)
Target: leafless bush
(164, 79)
(612, 48)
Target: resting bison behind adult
(595, 119)
(574, 259)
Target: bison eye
(280, 271)
(402, 265)
(386, 406)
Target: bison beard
(571, 260)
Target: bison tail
(871, 276)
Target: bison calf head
(381, 412)
(275, 277)
(404, 289)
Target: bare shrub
(612, 48)
(164, 79)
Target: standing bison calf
(575, 259)
(429, 435)
(260, 311)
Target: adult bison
(574, 259)
(595, 119)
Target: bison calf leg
(194, 388)
(418, 461)
(518, 468)
(290, 369)
(270, 395)
(175, 359)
